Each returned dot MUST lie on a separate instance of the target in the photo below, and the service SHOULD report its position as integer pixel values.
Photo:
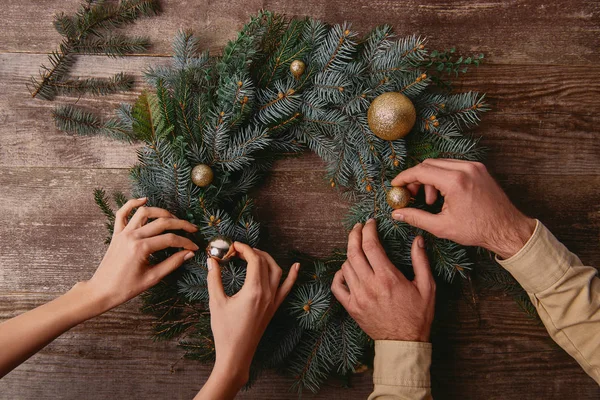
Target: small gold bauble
(297, 68)
(391, 116)
(202, 175)
(398, 197)
(220, 248)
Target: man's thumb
(214, 280)
(417, 218)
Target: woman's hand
(238, 322)
(125, 271)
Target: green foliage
(88, 31)
(239, 112)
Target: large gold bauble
(398, 197)
(297, 68)
(202, 175)
(391, 116)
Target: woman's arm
(238, 322)
(123, 274)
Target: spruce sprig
(86, 32)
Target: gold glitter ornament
(398, 197)
(220, 248)
(297, 68)
(391, 116)
(202, 175)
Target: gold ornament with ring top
(202, 175)
(220, 248)
(391, 116)
(398, 197)
(297, 68)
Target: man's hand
(386, 305)
(476, 211)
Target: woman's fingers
(216, 292)
(166, 240)
(142, 215)
(256, 273)
(287, 284)
(274, 270)
(164, 268)
(163, 224)
(123, 213)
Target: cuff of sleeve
(399, 363)
(541, 262)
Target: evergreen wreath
(235, 114)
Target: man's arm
(476, 212)
(565, 293)
(393, 311)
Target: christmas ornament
(391, 116)
(398, 197)
(297, 68)
(202, 175)
(220, 248)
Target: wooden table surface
(541, 77)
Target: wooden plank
(50, 213)
(112, 356)
(544, 123)
(525, 32)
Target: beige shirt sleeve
(565, 293)
(401, 370)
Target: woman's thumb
(214, 280)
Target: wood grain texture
(544, 148)
(515, 31)
(547, 110)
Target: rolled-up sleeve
(565, 293)
(401, 370)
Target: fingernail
(189, 255)
(142, 198)
(209, 264)
(357, 225)
(297, 266)
(398, 216)
(197, 248)
(370, 221)
(421, 242)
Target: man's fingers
(339, 289)
(164, 268)
(426, 174)
(287, 284)
(144, 213)
(423, 277)
(431, 194)
(163, 224)
(216, 292)
(413, 188)
(373, 249)
(123, 212)
(419, 218)
(350, 276)
(355, 254)
(167, 240)
(255, 273)
(274, 270)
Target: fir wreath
(237, 113)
